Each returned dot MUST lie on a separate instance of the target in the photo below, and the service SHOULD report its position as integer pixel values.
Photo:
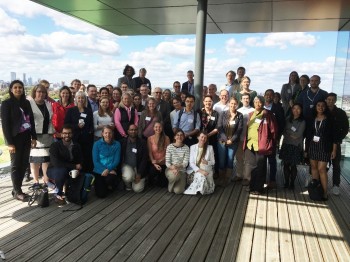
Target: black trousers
(336, 167)
(258, 174)
(106, 184)
(20, 160)
(157, 177)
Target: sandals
(60, 200)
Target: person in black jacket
(321, 143)
(134, 160)
(341, 123)
(19, 131)
(65, 155)
(81, 119)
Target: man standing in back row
(188, 86)
(342, 127)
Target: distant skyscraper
(13, 76)
(24, 79)
(30, 81)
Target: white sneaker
(335, 190)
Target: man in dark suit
(188, 86)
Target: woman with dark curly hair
(19, 131)
(128, 73)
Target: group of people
(132, 136)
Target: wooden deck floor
(229, 225)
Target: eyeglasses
(157, 92)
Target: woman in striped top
(176, 160)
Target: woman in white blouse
(102, 117)
(201, 166)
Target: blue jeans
(60, 176)
(226, 155)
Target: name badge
(289, 91)
(311, 106)
(257, 120)
(190, 120)
(212, 118)
(293, 129)
(148, 118)
(134, 150)
(265, 122)
(232, 122)
(26, 126)
(316, 139)
(83, 115)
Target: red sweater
(59, 113)
(267, 133)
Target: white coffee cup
(81, 121)
(74, 173)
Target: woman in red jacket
(259, 143)
(59, 110)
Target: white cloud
(282, 40)
(9, 25)
(235, 49)
(23, 8)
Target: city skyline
(50, 45)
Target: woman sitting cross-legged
(106, 155)
(176, 160)
(157, 145)
(201, 167)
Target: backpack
(315, 190)
(78, 189)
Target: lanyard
(319, 127)
(312, 100)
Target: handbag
(41, 195)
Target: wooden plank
(130, 226)
(75, 251)
(125, 223)
(259, 240)
(324, 242)
(330, 218)
(212, 227)
(247, 235)
(272, 241)
(59, 229)
(82, 224)
(172, 224)
(297, 232)
(137, 239)
(311, 241)
(191, 241)
(284, 229)
(227, 221)
(235, 233)
(175, 232)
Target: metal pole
(200, 50)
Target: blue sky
(46, 44)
